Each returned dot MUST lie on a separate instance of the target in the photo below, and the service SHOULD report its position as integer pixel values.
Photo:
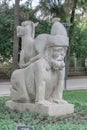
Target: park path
(71, 84)
(77, 83)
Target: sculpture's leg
(40, 91)
(40, 82)
(58, 91)
(18, 90)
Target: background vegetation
(73, 14)
(47, 9)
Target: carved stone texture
(51, 109)
(26, 31)
(41, 81)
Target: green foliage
(27, 13)
(6, 33)
(43, 27)
(77, 121)
(52, 7)
(79, 41)
(63, 127)
(76, 96)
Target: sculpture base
(51, 110)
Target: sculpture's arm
(21, 58)
(60, 86)
(58, 91)
(32, 60)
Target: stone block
(52, 109)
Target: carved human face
(57, 55)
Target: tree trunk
(16, 39)
(71, 30)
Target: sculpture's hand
(24, 65)
(32, 60)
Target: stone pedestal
(44, 109)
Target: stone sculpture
(26, 31)
(38, 87)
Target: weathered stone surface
(26, 31)
(52, 109)
(40, 81)
(43, 76)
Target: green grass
(77, 121)
(76, 96)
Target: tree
(6, 31)
(54, 8)
(73, 6)
(16, 39)
(71, 29)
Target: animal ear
(36, 24)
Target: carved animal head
(26, 28)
